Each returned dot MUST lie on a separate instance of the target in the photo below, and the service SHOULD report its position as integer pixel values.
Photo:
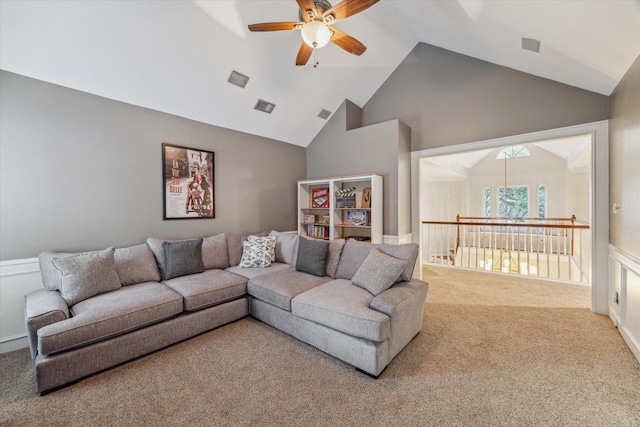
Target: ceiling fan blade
(346, 42)
(347, 8)
(307, 5)
(275, 26)
(303, 54)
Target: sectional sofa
(353, 300)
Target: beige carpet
(493, 351)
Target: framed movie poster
(188, 182)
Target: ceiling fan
(315, 20)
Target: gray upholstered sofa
(103, 308)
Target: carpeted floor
(493, 351)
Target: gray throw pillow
(378, 272)
(182, 257)
(87, 275)
(312, 256)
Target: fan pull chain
(315, 57)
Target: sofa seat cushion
(110, 314)
(280, 287)
(209, 288)
(342, 306)
(250, 273)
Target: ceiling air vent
(238, 79)
(532, 45)
(264, 106)
(324, 114)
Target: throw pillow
(87, 275)
(182, 257)
(136, 264)
(235, 247)
(51, 277)
(258, 252)
(378, 272)
(312, 256)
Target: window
(542, 201)
(513, 151)
(513, 202)
(486, 195)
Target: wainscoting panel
(17, 278)
(624, 296)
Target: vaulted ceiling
(176, 56)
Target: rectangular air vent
(532, 45)
(264, 106)
(238, 79)
(324, 114)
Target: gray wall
(447, 98)
(81, 172)
(624, 162)
(338, 151)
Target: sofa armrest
(388, 301)
(404, 303)
(42, 308)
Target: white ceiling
(176, 56)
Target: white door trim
(599, 208)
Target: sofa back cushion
(155, 244)
(354, 253)
(333, 259)
(286, 247)
(87, 275)
(215, 253)
(136, 264)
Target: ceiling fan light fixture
(316, 34)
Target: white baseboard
(624, 280)
(397, 240)
(14, 343)
(17, 278)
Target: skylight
(513, 151)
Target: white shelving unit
(332, 222)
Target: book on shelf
(319, 231)
(320, 197)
